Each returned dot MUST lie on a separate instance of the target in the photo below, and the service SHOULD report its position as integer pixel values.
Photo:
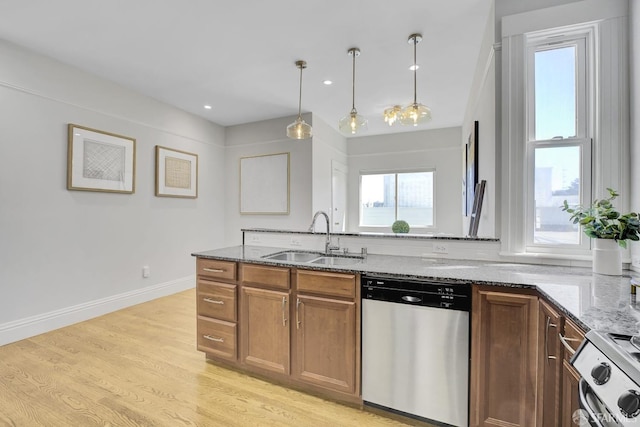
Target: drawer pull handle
(298, 322)
(210, 338)
(213, 301)
(213, 270)
(284, 311)
(565, 342)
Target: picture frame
(176, 173)
(264, 184)
(100, 161)
(472, 166)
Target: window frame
(396, 172)
(582, 38)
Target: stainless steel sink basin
(313, 258)
(295, 256)
(336, 260)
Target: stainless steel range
(610, 386)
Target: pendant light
(299, 129)
(353, 122)
(415, 114)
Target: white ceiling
(238, 56)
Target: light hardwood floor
(140, 367)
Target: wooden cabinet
(572, 336)
(550, 323)
(325, 330)
(503, 358)
(265, 329)
(216, 293)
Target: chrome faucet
(327, 246)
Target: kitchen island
(526, 322)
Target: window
(558, 144)
(387, 197)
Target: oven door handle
(583, 389)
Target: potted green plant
(610, 229)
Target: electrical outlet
(146, 271)
(295, 241)
(440, 248)
(254, 238)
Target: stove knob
(601, 373)
(629, 403)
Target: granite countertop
(593, 301)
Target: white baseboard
(30, 326)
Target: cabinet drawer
(216, 269)
(275, 277)
(217, 338)
(573, 336)
(217, 300)
(324, 283)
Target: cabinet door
(503, 359)
(573, 336)
(326, 342)
(570, 397)
(549, 365)
(265, 329)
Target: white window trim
(610, 144)
(381, 228)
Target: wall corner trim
(34, 325)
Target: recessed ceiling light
(414, 67)
(328, 82)
(207, 107)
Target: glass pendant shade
(392, 114)
(415, 114)
(299, 129)
(353, 122)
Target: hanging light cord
(301, 66)
(353, 84)
(415, 72)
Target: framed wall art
(264, 184)
(472, 166)
(176, 173)
(100, 161)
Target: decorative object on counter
(353, 122)
(400, 226)
(476, 211)
(471, 170)
(299, 129)
(610, 229)
(264, 184)
(100, 161)
(176, 173)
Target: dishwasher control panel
(446, 295)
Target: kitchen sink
(335, 260)
(295, 256)
(318, 258)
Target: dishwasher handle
(409, 298)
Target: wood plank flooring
(140, 367)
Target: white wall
(482, 107)
(258, 138)
(438, 149)
(634, 24)
(328, 145)
(70, 255)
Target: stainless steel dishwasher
(415, 348)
